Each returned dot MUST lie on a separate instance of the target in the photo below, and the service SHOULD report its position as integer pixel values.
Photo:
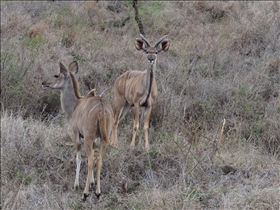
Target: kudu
(91, 118)
(138, 89)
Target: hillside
(223, 66)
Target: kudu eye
(56, 76)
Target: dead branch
(138, 19)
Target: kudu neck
(69, 98)
(151, 70)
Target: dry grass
(38, 169)
(223, 63)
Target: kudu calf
(138, 89)
(91, 118)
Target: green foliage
(61, 18)
(149, 8)
(68, 38)
(12, 79)
(35, 41)
(77, 57)
(150, 12)
(257, 128)
(192, 192)
(99, 41)
(49, 105)
(107, 75)
(224, 190)
(76, 205)
(40, 170)
(26, 180)
(245, 107)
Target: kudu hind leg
(95, 149)
(78, 159)
(102, 151)
(118, 107)
(126, 107)
(90, 155)
(122, 107)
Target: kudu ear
(139, 44)
(63, 70)
(165, 45)
(73, 67)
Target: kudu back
(91, 118)
(138, 89)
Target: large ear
(73, 67)
(139, 44)
(63, 70)
(164, 45)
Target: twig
(220, 139)
(16, 198)
(138, 19)
(103, 92)
(206, 138)
(222, 133)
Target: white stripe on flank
(93, 108)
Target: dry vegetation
(223, 63)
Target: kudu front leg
(147, 115)
(136, 125)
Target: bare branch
(137, 18)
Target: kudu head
(143, 44)
(59, 81)
(66, 82)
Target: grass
(223, 63)
(168, 176)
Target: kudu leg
(78, 159)
(124, 111)
(121, 110)
(119, 103)
(102, 151)
(147, 115)
(115, 128)
(136, 125)
(90, 155)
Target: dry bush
(36, 30)
(213, 10)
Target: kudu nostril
(151, 58)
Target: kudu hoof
(97, 195)
(85, 197)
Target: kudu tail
(103, 124)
